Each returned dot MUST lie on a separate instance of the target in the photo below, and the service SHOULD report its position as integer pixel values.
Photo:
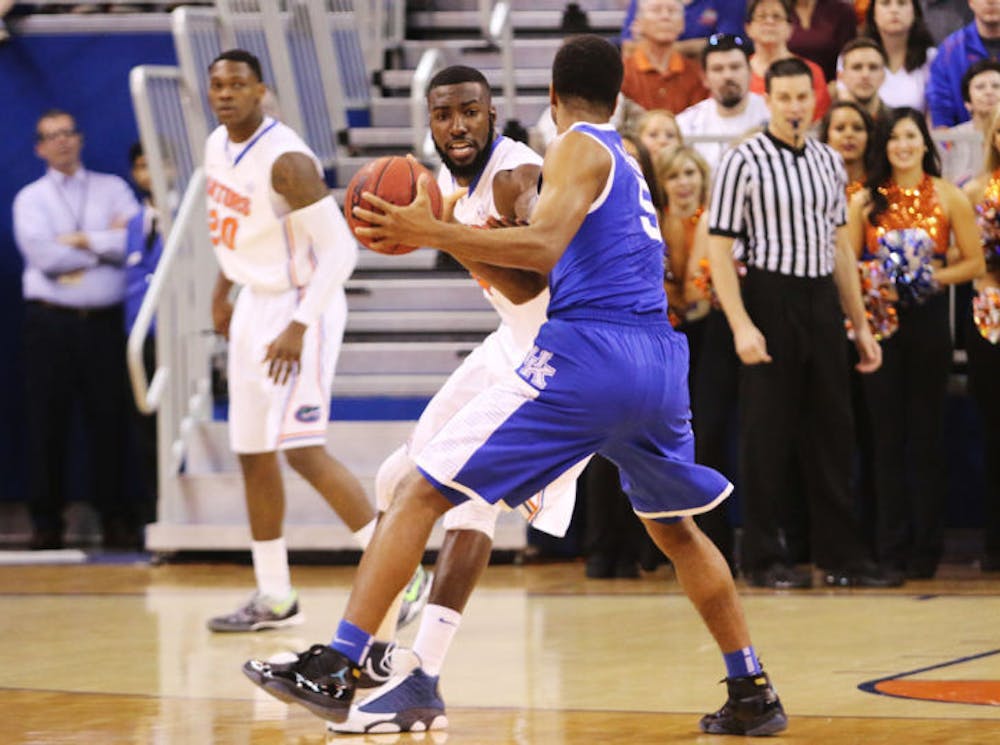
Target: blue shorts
(588, 386)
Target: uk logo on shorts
(308, 414)
(536, 368)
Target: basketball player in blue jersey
(606, 374)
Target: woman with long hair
(983, 337)
(899, 26)
(906, 212)
(848, 129)
(657, 130)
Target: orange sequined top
(854, 187)
(918, 207)
(992, 191)
(690, 224)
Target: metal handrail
(499, 29)
(423, 145)
(148, 396)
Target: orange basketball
(394, 179)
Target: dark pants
(74, 358)
(613, 529)
(796, 412)
(906, 402)
(714, 396)
(984, 379)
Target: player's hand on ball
(284, 353)
(392, 224)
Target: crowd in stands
(885, 74)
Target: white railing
(423, 144)
(179, 295)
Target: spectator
(899, 26)
(944, 17)
(657, 130)
(69, 226)
(820, 28)
(788, 331)
(143, 249)
(702, 18)
(906, 396)
(769, 26)
(848, 129)
(731, 109)
(979, 40)
(657, 76)
(862, 76)
(984, 354)
(963, 158)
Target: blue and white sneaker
(410, 703)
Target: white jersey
(519, 324)
(254, 242)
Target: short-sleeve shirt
(786, 203)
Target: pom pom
(988, 220)
(986, 313)
(906, 256)
(702, 279)
(879, 298)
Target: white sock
(437, 628)
(364, 535)
(270, 566)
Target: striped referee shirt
(785, 203)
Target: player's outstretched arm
(575, 172)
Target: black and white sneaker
(384, 660)
(752, 709)
(320, 679)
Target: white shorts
(264, 416)
(550, 510)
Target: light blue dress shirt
(56, 204)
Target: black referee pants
(74, 357)
(796, 411)
(906, 403)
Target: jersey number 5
(222, 231)
(648, 221)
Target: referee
(784, 195)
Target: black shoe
(118, 535)
(626, 569)
(989, 563)
(321, 679)
(46, 539)
(921, 570)
(600, 566)
(865, 574)
(752, 709)
(781, 577)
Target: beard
(474, 167)
(730, 99)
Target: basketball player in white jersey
(278, 233)
(487, 179)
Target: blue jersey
(612, 269)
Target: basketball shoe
(320, 679)
(261, 612)
(384, 660)
(407, 703)
(752, 709)
(414, 597)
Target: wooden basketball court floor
(100, 653)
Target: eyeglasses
(49, 136)
(772, 17)
(730, 41)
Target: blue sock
(741, 663)
(351, 642)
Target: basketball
(394, 179)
